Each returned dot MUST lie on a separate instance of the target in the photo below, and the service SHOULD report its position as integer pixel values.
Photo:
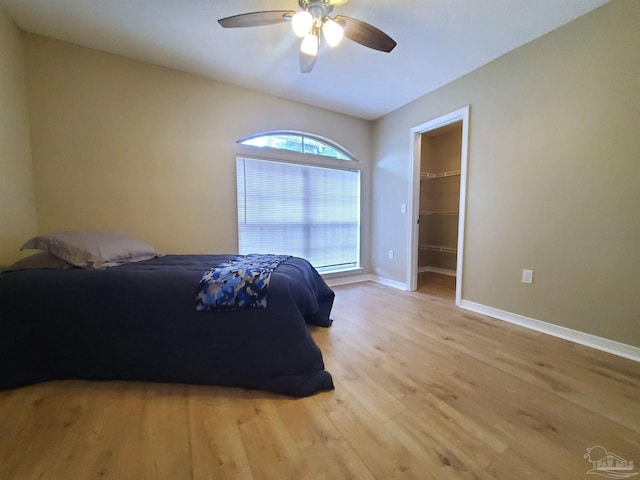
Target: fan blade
(307, 62)
(337, 3)
(256, 19)
(365, 34)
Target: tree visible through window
(300, 142)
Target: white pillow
(89, 249)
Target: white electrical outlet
(527, 276)
(390, 254)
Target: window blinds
(306, 211)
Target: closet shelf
(431, 176)
(439, 248)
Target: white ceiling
(438, 41)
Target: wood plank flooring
(424, 390)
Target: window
(302, 210)
(300, 142)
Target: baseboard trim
(442, 271)
(604, 344)
(346, 280)
(389, 283)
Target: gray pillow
(90, 249)
(39, 260)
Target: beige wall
(554, 163)
(127, 146)
(17, 204)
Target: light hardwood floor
(424, 390)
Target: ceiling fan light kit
(333, 32)
(312, 18)
(309, 21)
(301, 23)
(310, 44)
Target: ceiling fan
(311, 19)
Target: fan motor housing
(317, 8)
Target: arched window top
(301, 142)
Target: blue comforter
(138, 322)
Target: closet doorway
(438, 188)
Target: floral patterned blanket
(240, 283)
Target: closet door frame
(461, 114)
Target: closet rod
(439, 248)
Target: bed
(139, 321)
